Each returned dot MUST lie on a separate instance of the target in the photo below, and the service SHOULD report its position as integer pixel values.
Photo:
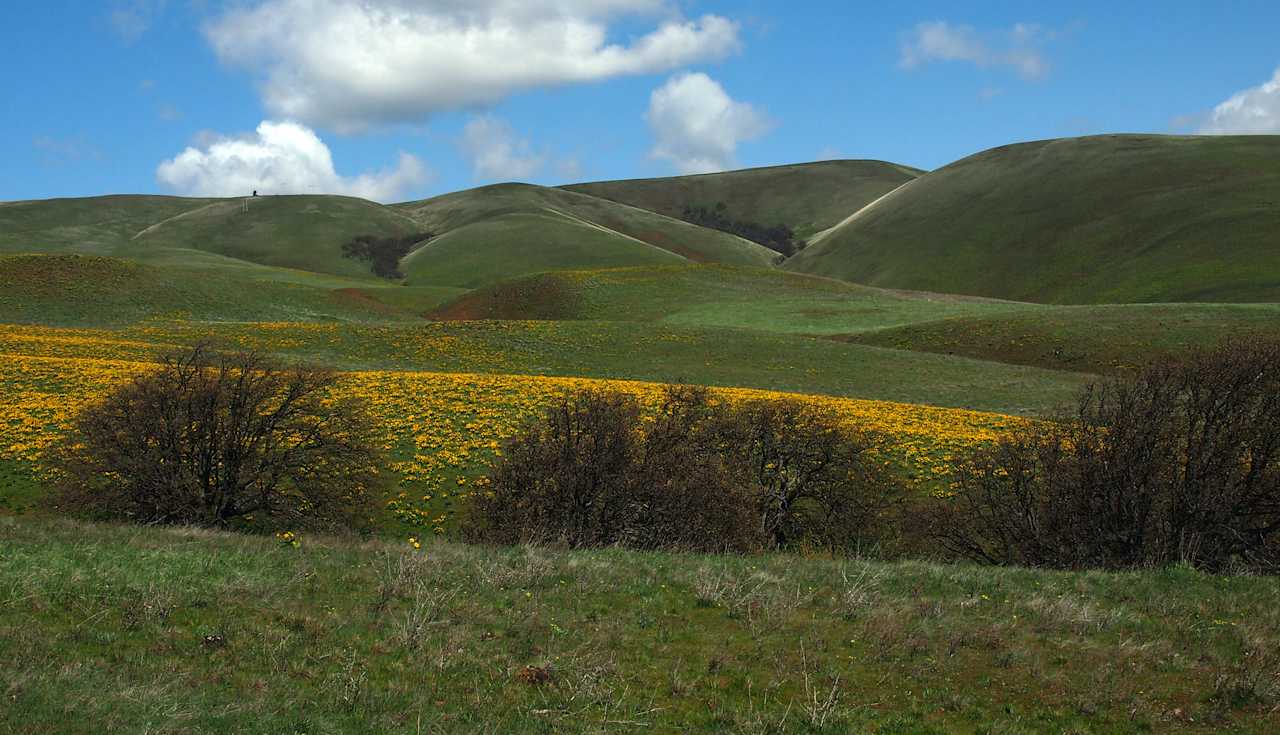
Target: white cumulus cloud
(943, 41)
(350, 64)
(697, 126)
(1254, 111)
(279, 158)
(497, 153)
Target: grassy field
(808, 197)
(715, 296)
(165, 631)
(1095, 339)
(89, 290)
(1107, 219)
(613, 350)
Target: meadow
(524, 293)
(179, 631)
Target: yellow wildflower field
(442, 429)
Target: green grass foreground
(114, 629)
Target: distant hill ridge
(1103, 219)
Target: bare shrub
(813, 479)
(208, 438)
(1180, 462)
(694, 475)
(593, 473)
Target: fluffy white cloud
(942, 41)
(497, 153)
(697, 126)
(280, 158)
(349, 64)
(1254, 111)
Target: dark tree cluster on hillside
(1180, 463)
(383, 253)
(779, 238)
(596, 470)
(208, 439)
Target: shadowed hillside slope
(808, 197)
(1103, 219)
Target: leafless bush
(208, 438)
(1180, 462)
(696, 475)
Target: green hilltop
(1107, 219)
(496, 232)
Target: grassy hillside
(90, 290)
(544, 216)
(614, 350)
(807, 197)
(1086, 220)
(713, 296)
(166, 631)
(302, 232)
(517, 243)
(1096, 339)
(90, 224)
(299, 232)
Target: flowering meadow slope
(441, 428)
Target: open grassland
(1108, 219)
(715, 296)
(165, 631)
(442, 429)
(88, 290)
(1095, 339)
(807, 197)
(609, 350)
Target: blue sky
(402, 99)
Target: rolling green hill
(523, 242)
(1106, 219)
(71, 289)
(505, 230)
(298, 232)
(303, 232)
(807, 197)
(89, 224)
(1094, 339)
(714, 296)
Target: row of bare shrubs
(696, 475)
(1177, 463)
